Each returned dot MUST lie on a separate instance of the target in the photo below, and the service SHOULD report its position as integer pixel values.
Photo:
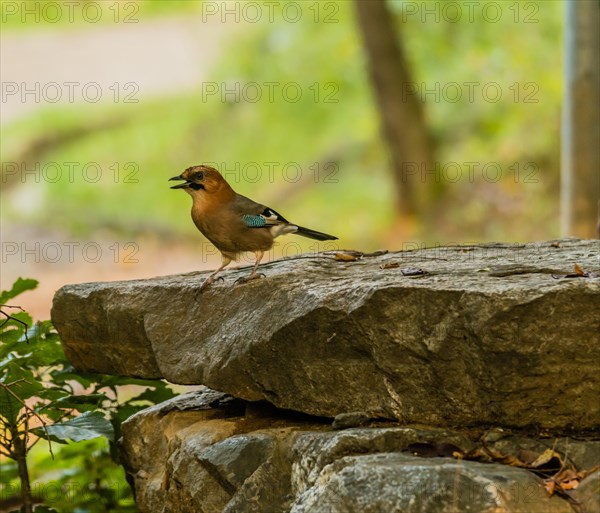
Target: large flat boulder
(487, 335)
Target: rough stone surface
(235, 459)
(588, 493)
(398, 483)
(160, 447)
(187, 457)
(193, 458)
(486, 337)
(352, 419)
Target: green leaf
(52, 395)
(37, 331)
(45, 353)
(105, 380)
(20, 286)
(68, 373)
(12, 371)
(12, 330)
(83, 402)
(156, 393)
(29, 387)
(87, 426)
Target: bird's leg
(253, 275)
(210, 280)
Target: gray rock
(398, 483)
(349, 420)
(185, 457)
(159, 450)
(207, 461)
(588, 493)
(235, 459)
(268, 489)
(313, 451)
(197, 400)
(486, 337)
(584, 454)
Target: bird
(234, 223)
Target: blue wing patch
(254, 221)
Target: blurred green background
(318, 159)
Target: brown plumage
(232, 222)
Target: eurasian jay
(232, 222)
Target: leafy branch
(38, 385)
(31, 412)
(11, 318)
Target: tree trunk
(401, 111)
(20, 453)
(580, 173)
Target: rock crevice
(209, 461)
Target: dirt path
(160, 56)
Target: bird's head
(200, 179)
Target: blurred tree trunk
(400, 110)
(580, 173)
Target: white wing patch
(282, 229)
(270, 217)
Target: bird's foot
(251, 277)
(207, 283)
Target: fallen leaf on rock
(566, 479)
(354, 252)
(570, 481)
(549, 460)
(379, 252)
(550, 486)
(559, 474)
(579, 273)
(555, 245)
(546, 464)
(343, 256)
(487, 454)
(390, 265)
(563, 480)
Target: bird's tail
(312, 234)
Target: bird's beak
(179, 185)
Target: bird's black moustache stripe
(196, 186)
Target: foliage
(43, 399)
(164, 135)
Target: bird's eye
(199, 176)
